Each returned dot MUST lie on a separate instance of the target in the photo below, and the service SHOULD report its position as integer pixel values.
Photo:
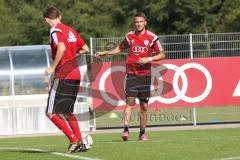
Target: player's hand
(48, 71)
(143, 60)
(99, 54)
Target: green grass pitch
(207, 144)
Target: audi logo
(139, 49)
(180, 92)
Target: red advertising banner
(175, 83)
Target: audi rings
(156, 93)
(139, 49)
(180, 93)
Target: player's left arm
(84, 49)
(160, 53)
(158, 57)
(82, 46)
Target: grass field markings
(41, 145)
(132, 141)
(44, 145)
(49, 152)
(231, 158)
(157, 141)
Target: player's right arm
(58, 39)
(61, 48)
(123, 45)
(116, 50)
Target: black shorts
(62, 96)
(138, 86)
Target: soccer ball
(87, 140)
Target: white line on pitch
(49, 152)
(43, 145)
(231, 158)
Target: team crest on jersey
(71, 37)
(146, 42)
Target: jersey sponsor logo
(146, 42)
(71, 37)
(139, 49)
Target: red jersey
(68, 67)
(140, 46)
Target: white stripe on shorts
(52, 96)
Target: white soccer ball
(87, 140)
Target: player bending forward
(65, 44)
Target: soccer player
(141, 44)
(65, 45)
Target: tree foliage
(21, 22)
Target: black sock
(142, 131)
(126, 129)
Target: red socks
(63, 126)
(73, 123)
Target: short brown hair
(51, 12)
(141, 14)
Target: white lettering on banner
(156, 94)
(236, 92)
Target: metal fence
(184, 46)
(188, 46)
